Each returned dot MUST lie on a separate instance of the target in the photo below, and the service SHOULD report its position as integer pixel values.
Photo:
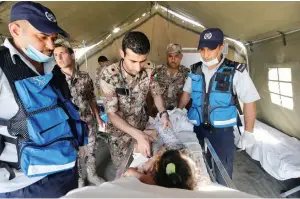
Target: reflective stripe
(40, 169)
(233, 120)
(193, 121)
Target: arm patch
(238, 66)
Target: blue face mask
(36, 55)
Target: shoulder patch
(238, 66)
(149, 65)
(112, 70)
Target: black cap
(211, 38)
(38, 16)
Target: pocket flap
(45, 120)
(37, 83)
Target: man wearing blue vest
(214, 85)
(40, 129)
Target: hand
(247, 140)
(165, 120)
(83, 151)
(151, 132)
(148, 167)
(144, 144)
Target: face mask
(36, 55)
(215, 60)
(209, 63)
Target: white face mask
(209, 63)
(215, 60)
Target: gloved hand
(247, 140)
(83, 151)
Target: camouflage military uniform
(98, 72)
(82, 91)
(130, 107)
(171, 86)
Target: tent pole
(83, 42)
(272, 37)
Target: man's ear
(73, 56)
(122, 53)
(14, 29)
(180, 56)
(222, 47)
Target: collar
(48, 66)
(74, 76)
(127, 77)
(165, 68)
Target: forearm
(249, 116)
(184, 100)
(95, 109)
(121, 124)
(150, 104)
(159, 103)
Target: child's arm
(133, 172)
(144, 178)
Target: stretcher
(215, 163)
(189, 139)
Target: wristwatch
(161, 113)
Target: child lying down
(167, 168)
(142, 167)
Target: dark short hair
(70, 50)
(137, 42)
(102, 59)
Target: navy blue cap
(38, 16)
(211, 38)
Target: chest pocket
(139, 94)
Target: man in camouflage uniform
(124, 86)
(82, 92)
(171, 77)
(103, 63)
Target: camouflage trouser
(87, 166)
(118, 147)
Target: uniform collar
(48, 66)
(180, 69)
(74, 76)
(128, 77)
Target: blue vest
(47, 129)
(216, 108)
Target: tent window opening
(280, 87)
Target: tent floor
(248, 175)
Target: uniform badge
(154, 77)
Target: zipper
(206, 108)
(48, 129)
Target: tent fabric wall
(273, 54)
(160, 32)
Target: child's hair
(173, 170)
